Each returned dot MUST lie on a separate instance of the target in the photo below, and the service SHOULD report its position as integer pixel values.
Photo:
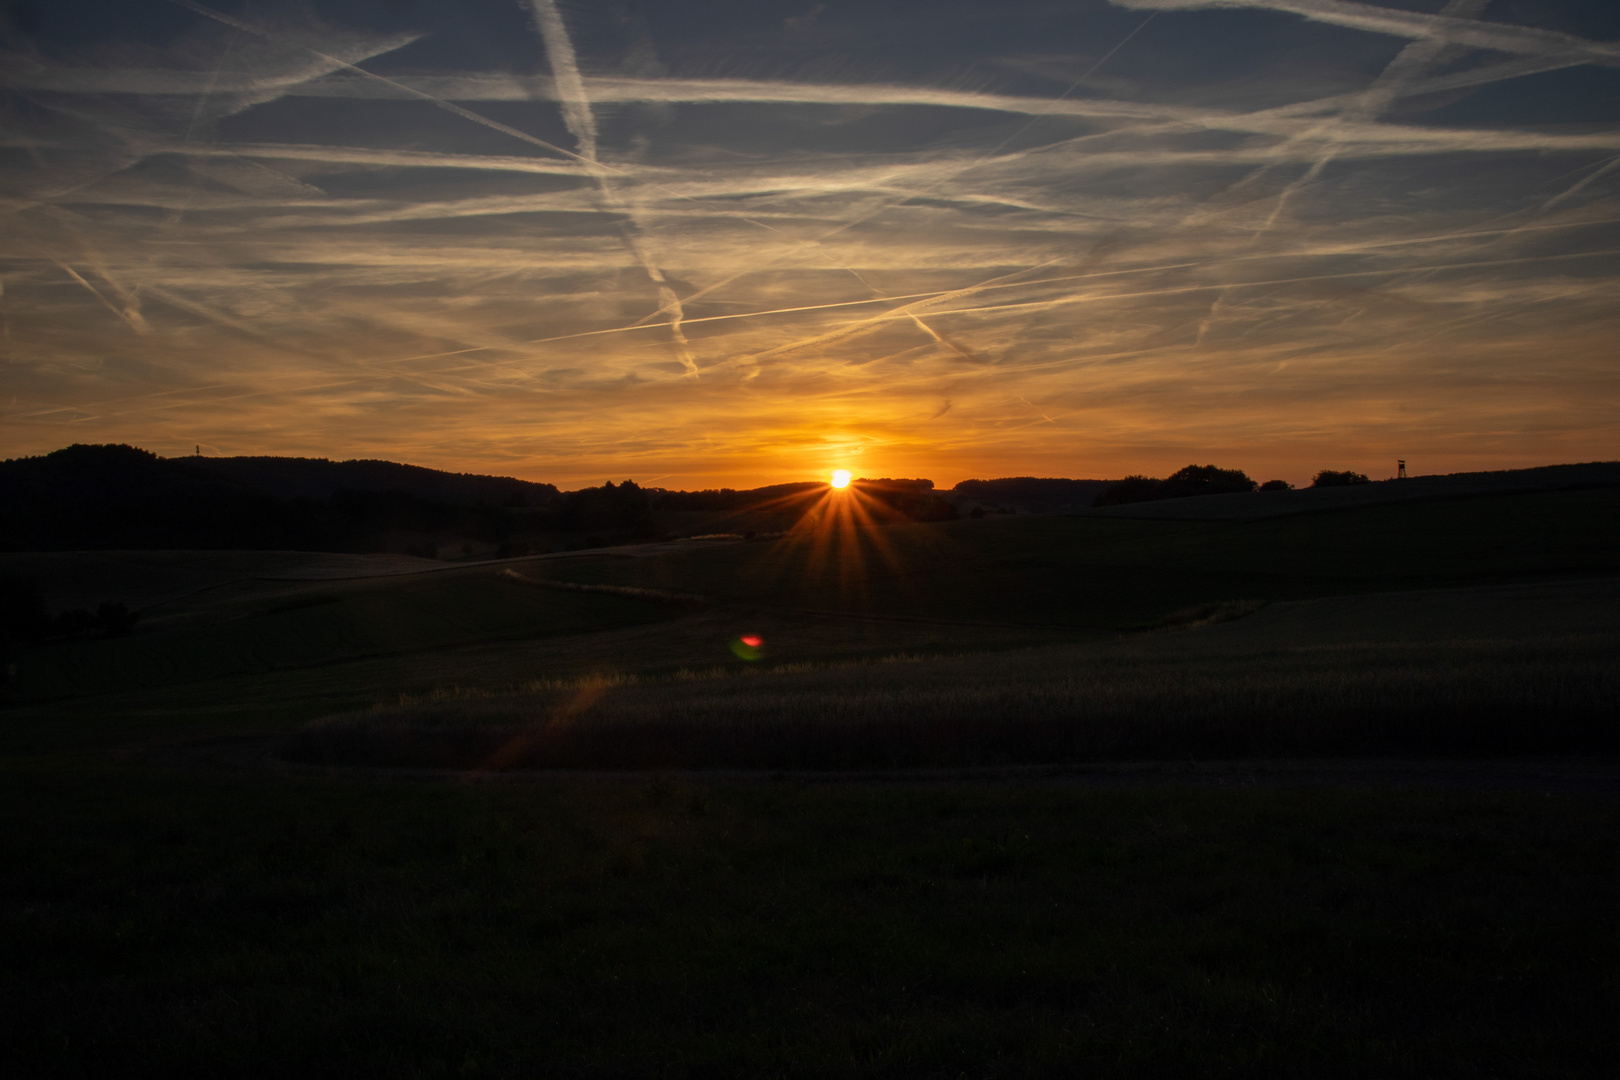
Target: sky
(736, 243)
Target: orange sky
(1063, 243)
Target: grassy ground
(169, 924)
(164, 915)
(1038, 706)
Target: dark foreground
(176, 899)
(180, 922)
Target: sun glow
(840, 478)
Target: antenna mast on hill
(1400, 469)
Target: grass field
(1494, 670)
(176, 900)
(161, 923)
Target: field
(1325, 794)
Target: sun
(840, 478)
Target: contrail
(1498, 37)
(908, 311)
(1178, 290)
(943, 179)
(1183, 290)
(581, 123)
(1279, 120)
(576, 105)
(204, 312)
(563, 51)
(1607, 167)
(1346, 249)
(133, 318)
(448, 106)
(1410, 63)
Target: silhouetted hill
(1247, 506)
(121, 497)
(319, 478)
(85, 473)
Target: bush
(1335, 478)
(22, 611)
(1276, 485)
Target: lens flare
(841, 478)
(747, 647)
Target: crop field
(1332, 794)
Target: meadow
(1330, 794)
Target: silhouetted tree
(1276, 485)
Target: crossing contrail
(581, 123)
(129, 314)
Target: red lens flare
(752, 641)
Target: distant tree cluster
(1184, 483)
(1032, 492)
(914, 500)
(1335, 478)
(24, 619)
(608, 508)
(723, 500)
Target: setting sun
(840, 478)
